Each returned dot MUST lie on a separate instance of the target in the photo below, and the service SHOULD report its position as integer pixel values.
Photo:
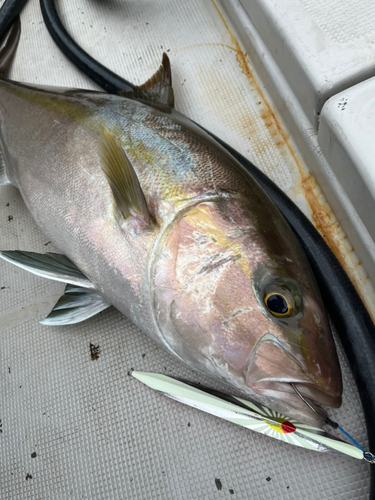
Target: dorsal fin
(158, 89)
(123, 180)
(10, 47)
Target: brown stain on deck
(322, 215)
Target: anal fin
(76, 305)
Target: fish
(152, 216)
(347, 312)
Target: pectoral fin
(123, 180)
(48, 265)
(76, 305)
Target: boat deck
(73, 423)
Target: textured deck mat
(81, 428)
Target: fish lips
(271, 370)
(284, 391)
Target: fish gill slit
(155, 250)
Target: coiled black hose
(351, 319)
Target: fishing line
(369, 457)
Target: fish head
(235, 298)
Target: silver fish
(153, 217)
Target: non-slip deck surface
(76, 427)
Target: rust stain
(322, 215)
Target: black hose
(9, 10)
(98, 73)
(350, 317)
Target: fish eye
(278, 304)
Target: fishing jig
(254, 416)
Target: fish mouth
(315, 395)
(273, 372)
(285, 392)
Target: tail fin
(10, 47)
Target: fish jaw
(272, 370)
